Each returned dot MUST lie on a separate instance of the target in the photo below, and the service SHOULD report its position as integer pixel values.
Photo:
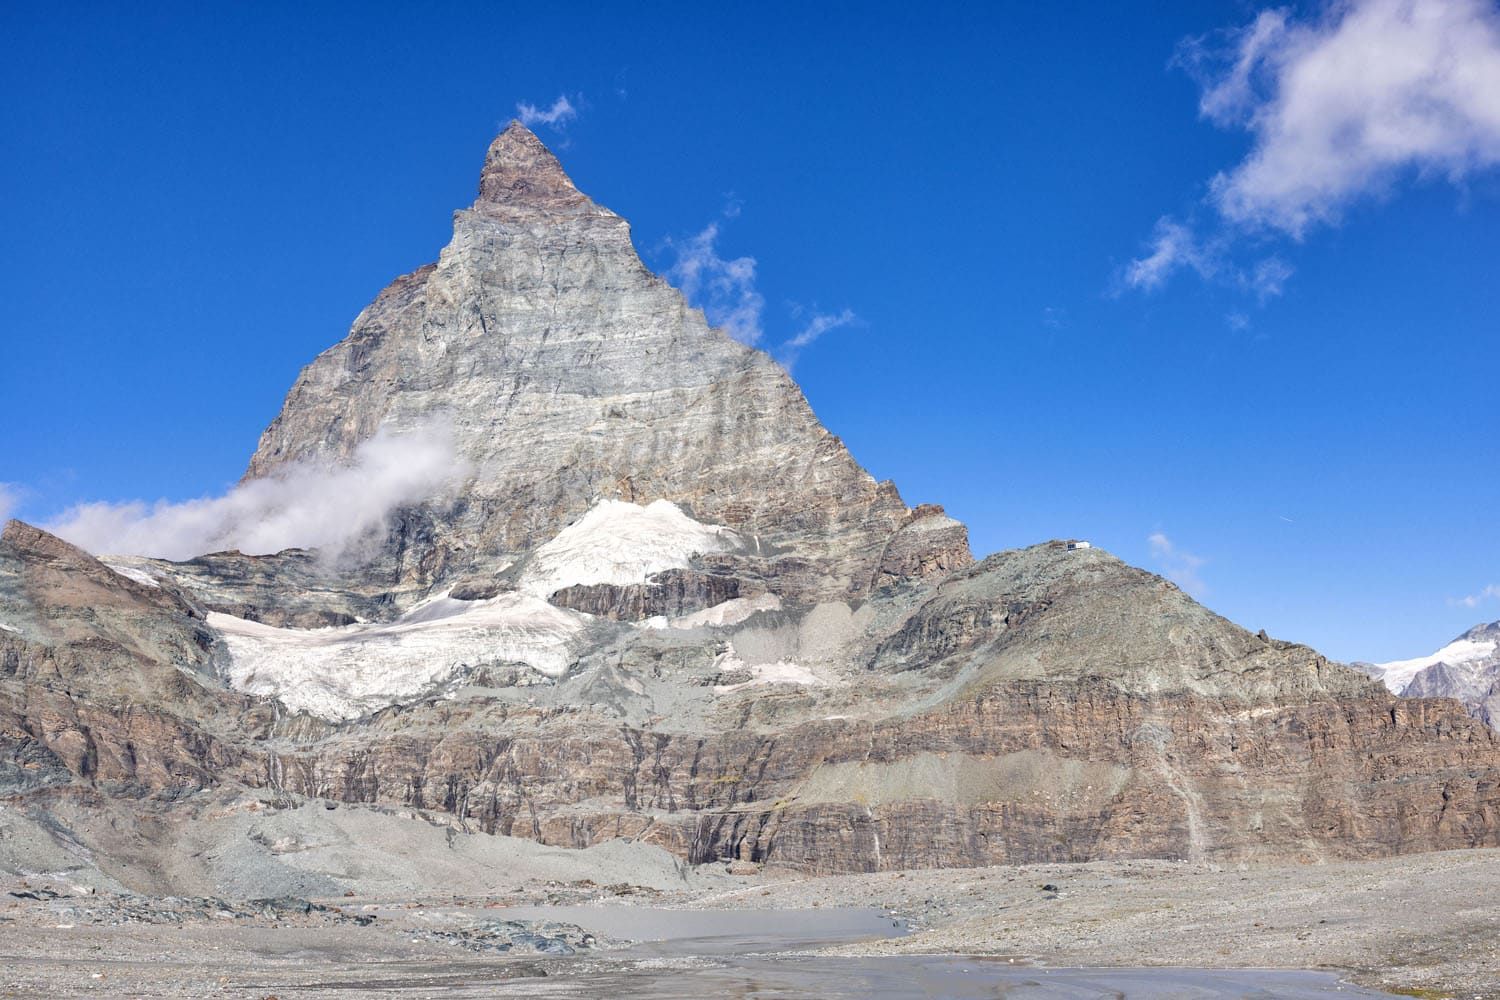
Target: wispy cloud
(1341, 106)
(1267, 278)
(1177, 246)
(1172, 247)
(723, 288)
(1491, 592)
(1178, 564)
(819, 324)
(304, 505)
(557, 116)
(726, 289)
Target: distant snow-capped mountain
(1468, 668)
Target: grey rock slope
(569, 373)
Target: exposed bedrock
(929, 544)
(1030, 772)
(671, 593)
(996, 724)
(567, 372)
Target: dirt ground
(1429, 923)
(1426, 926)
(403, 904)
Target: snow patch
(132, 573)
(621, 543)
(780, 672)
(350, 671)
(1397, 674)
(730, 612)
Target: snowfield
(346, 672)
(621, 543)
(1397, 674)
(780, 672)
(132, 573)
(730, 612)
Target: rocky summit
(654, 598)
(569, 374)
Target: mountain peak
(521, 172)
(1490, 630)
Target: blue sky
(1136, 273)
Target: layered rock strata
(664, 603)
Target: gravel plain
(368, 902)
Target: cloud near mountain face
(561, 112)
(330, 507)
(723, 288)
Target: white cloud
(557, 116)
(1340, 106)
(1346, 105)
(820, 324)
(724, 289)
(1474, 600)
(1179, 565)
(1268, 278)
(1227, 92)
(303, 505)
(1173, 247)
(1176, 246)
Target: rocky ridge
(661, 602)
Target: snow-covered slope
(343, 673)
(621, 542)
(731, 612)
(775, 672)
(346, 672)
(132, 573)
(1470, 649)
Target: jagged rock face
(671, 593)
(1028, 772)
(570, 373)
(61, 596)
(105, 681)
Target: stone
(569, 373)
(818, 677)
